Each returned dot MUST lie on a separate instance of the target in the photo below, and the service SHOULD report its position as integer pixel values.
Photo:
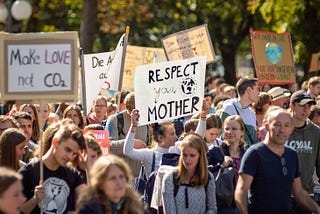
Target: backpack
(170, 159)
(120, 124)
(147, 195)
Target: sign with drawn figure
(273, 57)
(189, 43)
(102, 137)
(135, 56)
(315, 62)
(39, 66)
(169, 90)
(103, 71)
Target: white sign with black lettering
(169, 90)
(39, 67)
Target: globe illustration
(274, 52)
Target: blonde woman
(230, 152)
(109, 190)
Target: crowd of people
(269, 135)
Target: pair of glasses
(99, 106)
(284, 166)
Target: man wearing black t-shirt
(60, 182)
(271, 172)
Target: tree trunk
(229, 63)
(88, 25)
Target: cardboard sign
(315, 63)
(39, 66)
(273, 57)
(189, 43)
(102, 137)
(135, 56)
(169, 90)
(103, 71)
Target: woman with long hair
(74, 113)
(190, 180)
(260, 108)
(12, 143)
(213, 128)
(109, 190)
(36, 131)
(163, 133)
(230, 152)
(11, 195)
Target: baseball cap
(278, 92)
(301, 97)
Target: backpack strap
(175, 183)
(153, 161)
(120, 121)
(245, 127)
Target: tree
(88, 25)
(300, 18)
(229, 23)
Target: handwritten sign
(189, 43)
(38, 64)
(102, 71)
(102, 137)
(135, 56)
(273, 57)
(169, 90)
(315, 63)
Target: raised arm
(201, 127)
(130, 142)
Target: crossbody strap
(245, 127)
(153, 161)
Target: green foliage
(150, 20)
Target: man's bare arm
(241, 192)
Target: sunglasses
(284, 166)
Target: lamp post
(19, 10)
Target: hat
(301, 97)
(278, 92)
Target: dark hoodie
(306, 142)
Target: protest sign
(35, 66)
(315, 63)
(189, 43)
(103, 71)
(135, 56)
(169, 90)
(273, 57)
(102, 137)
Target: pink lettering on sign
(57, 57)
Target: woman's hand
(227, 161)
(205, 109)
(134, 117)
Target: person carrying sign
(60, 182)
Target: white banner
(103, 71)
(169, 90)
